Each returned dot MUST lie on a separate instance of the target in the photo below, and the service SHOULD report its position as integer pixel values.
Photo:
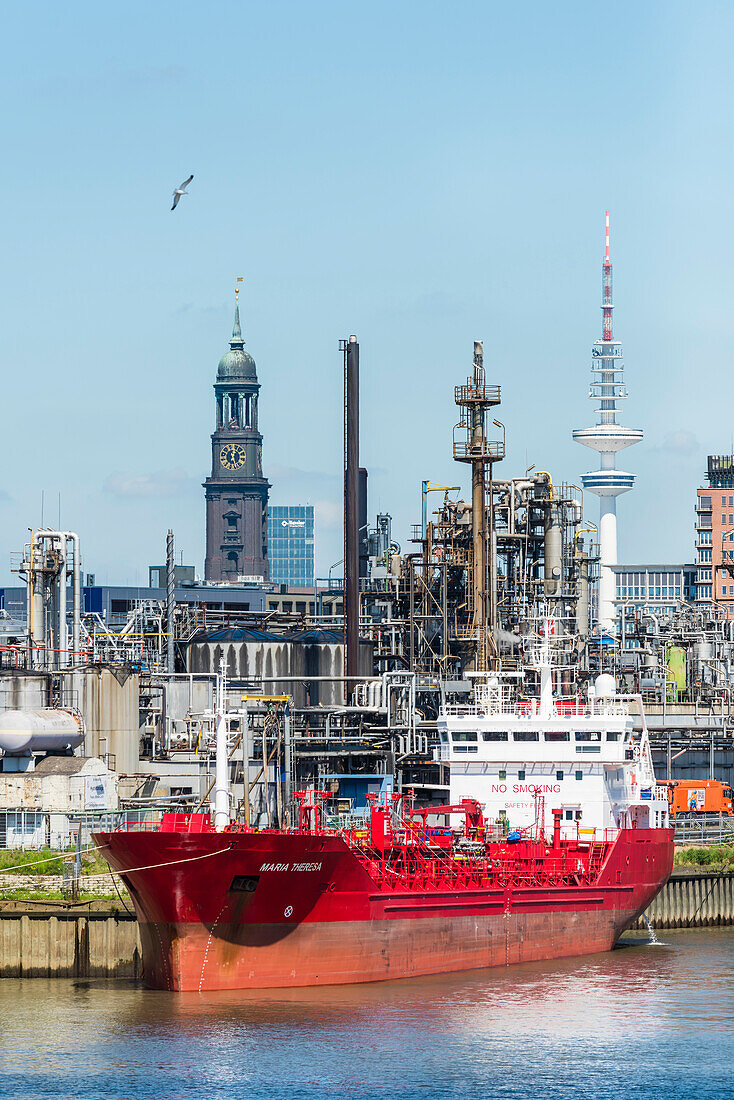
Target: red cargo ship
(239, 908)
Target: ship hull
(192, 957)
(315, 917)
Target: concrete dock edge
(96, 940)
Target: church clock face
(232, 456)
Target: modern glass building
(290, 544)
(652, 589)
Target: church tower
(236, 493)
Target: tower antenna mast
(607, 437)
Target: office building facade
(651, 589)
(291, 544)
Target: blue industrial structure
(112, 602)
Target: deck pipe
(221, 770)
(221, 785)
(288, 763)
(557, 815)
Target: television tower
(607, 437)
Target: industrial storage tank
(676, 659)
(46, 730)
(24, 690)
(296, 655)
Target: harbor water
(647, 1020)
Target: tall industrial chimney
(351, 510)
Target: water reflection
(601, 1026)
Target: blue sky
(420, 174)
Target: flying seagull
(181, 191)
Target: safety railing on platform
(704, 829)
(31, 830)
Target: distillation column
(44, 567)
(474, 399)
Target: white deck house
(580, 755)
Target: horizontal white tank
(46, 730)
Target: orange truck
(699, 796)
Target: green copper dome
(237, 364)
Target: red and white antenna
(606, 254)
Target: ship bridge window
(495, 735)
(612, 737)
(444, 738)
(525, 735)
(464, 735)
(466, 748)
(588, 735)
(557, 735)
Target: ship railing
(589, 835)
(572, 707)
(123, 821)
(605, 708)
(491, 877)
(524, 708)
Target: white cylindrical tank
(605, 686)
(44, 730)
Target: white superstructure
(507, 749)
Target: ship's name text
(291, 867)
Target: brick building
(715, 535)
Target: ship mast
(221, 782)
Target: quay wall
(692, 899)
(63, 940)
(97, 940)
